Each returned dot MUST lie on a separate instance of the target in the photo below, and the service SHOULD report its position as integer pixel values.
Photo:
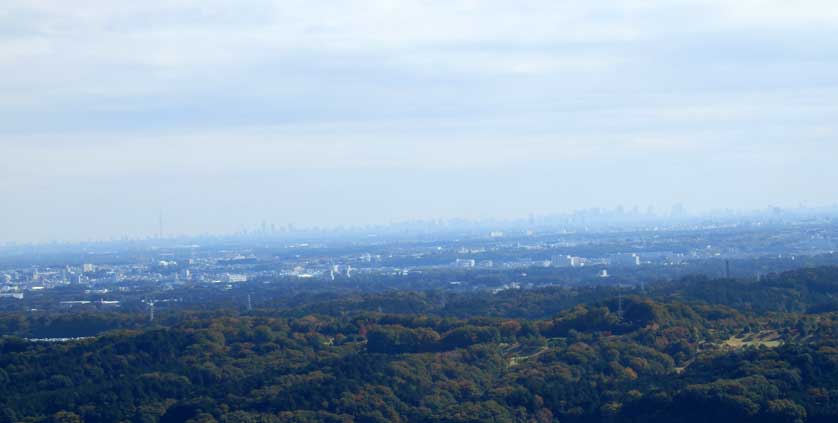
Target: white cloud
(71, 50)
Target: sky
(224, 114)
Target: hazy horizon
(226, 114)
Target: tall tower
(160, 225)
(619, 303)
(151, 310)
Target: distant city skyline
(223, 114)
(593, 218)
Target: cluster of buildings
(222, 265)
(560, 260)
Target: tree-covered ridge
(672, 353)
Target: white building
(465, 263)
(234, 278)
(624, 260)
(567, 261)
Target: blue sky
(226, 113)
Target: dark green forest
(693, 350)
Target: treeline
(804, 291)
(657, 362)
(67, 325)
(693, 352)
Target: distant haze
(223, 114)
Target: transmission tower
(619, 303)
(150, 309)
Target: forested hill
(693, 351)
(804, 290)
